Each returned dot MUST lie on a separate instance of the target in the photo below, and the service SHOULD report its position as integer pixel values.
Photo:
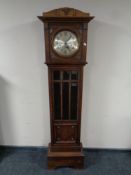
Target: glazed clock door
(65, 96)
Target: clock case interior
(65, 77)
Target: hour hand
(66, 45)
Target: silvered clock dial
(65, 43)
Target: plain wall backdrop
(24, 103)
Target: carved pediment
(66, 13)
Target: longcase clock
(65, 46)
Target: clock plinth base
(74, 159)
(65, 148)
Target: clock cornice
(65, 14)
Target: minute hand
(68, 39)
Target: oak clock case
(65, 32)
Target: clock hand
(66, 45)
(68, 38)
(68, 48)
